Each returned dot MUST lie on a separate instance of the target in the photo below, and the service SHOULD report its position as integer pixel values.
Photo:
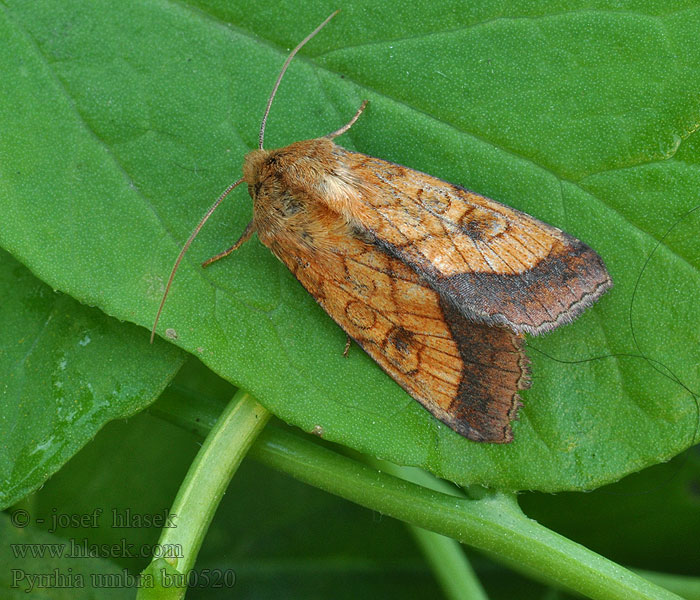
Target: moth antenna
(284, 68)
(350, 123)
(193, 235)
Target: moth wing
(466, 374)
(497, 265)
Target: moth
(436, 283)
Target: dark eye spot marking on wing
(401, 339)
(401, 351)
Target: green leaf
(649, 520)
(122, 122)
(40, 564)
(66, 371)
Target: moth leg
(348, 125)
(245, 236)
(348, 341)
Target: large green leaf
(122, 121)
(66, 371)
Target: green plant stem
(206, 481)
(445, 555)
(493, 523)
(210, 473)
(450, 565)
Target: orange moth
(436, 283)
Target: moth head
(265, 178)
(253, 167)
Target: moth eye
(254, 190)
